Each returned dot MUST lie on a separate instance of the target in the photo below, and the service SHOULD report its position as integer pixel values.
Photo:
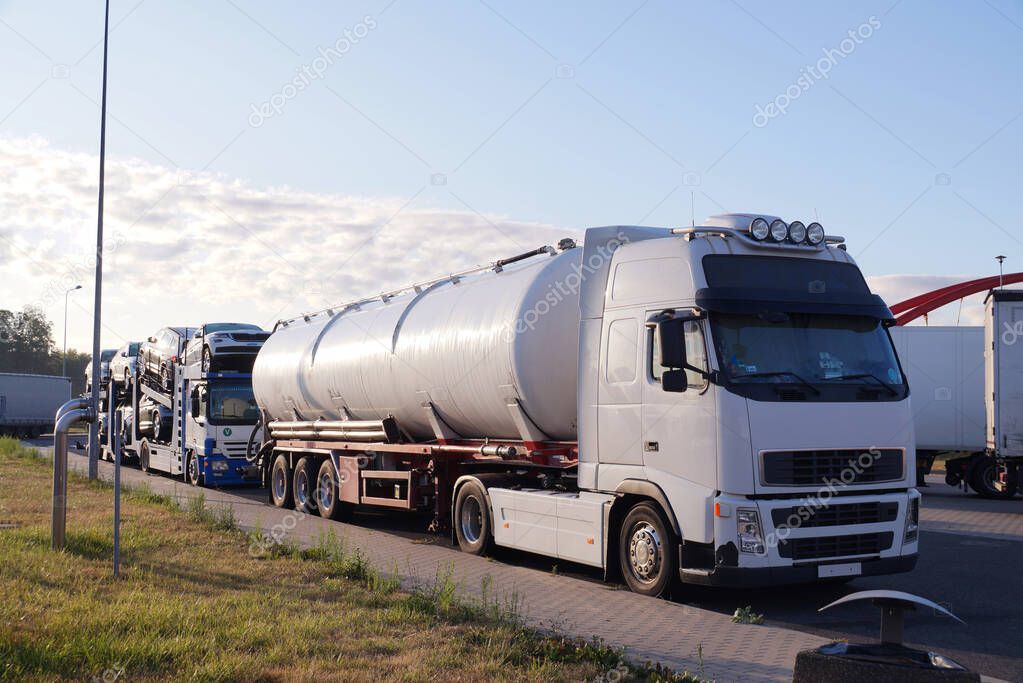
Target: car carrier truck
(199, 429)
(968, 395)
(29, 402)
(718, 404)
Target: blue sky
(567, 115)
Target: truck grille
(809, 468)
(250, 336)
(835, 546)
(834, 515)
(235, 449)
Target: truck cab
(222, 414)
(748, 382)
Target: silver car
(125, 361)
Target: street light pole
(94, 425)
(63, 357)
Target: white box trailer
(28, 403)
(1003, 367)
(945, 368)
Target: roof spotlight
(759, 229)
(779, 230)
(815, 233)
(797, 231)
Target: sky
(266, 159)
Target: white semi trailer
(718, 404)
(28, 403)
(968, 395)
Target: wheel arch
(630, 493)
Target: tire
(982, 476)
(303, 486)
(328, 493)
(192, 474)
(281, 483)
(647, 551)
(471, 519)
(207, 359)
(144, 457)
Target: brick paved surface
(954, 511)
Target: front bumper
(237, 472)
(748, 577)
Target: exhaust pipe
(74, 411)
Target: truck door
(679, 428)
(620, 389)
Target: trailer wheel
(328, 493)
(280, 482)
(983, 475)
(472, 519)
(304, 486)
(646, 551)
(193, 475)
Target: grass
(200, 599)
(746, 615)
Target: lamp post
(1001, 274)
(63, 356)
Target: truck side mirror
(152, 340)
(674, 381)
(194, 407)
(673, 344)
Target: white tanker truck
(718, 404)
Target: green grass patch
(199, 599)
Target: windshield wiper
(784, 373)
(866, 375)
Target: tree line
(27, 346)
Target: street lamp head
(77, 287)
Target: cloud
(190, 247)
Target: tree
(26, 346)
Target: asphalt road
(979, 577)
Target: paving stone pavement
(951, 510)
(675, 635)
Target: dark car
(159, 353)
(226, 346)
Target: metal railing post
(66, 416)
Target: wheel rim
(193, 469)
(326, 491)
(645, 552)
(206, 360)
(280, 483)
(302, 489)
(471, 519)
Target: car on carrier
(226, 346)
(105, 356)
(158, 354)
(125, 361)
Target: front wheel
(647, 551)
(144, 457)
(193, 474)
(472, 519)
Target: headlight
(797, 232)
(219, 466)
(912, 520)
(751, 539)
(759, 229)
(815, 233)
(779, 230)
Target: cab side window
(696, 354)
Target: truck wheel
(304, 486)
(646, 551)
(983, 475)
(280, 482)
(193, 475)
(472, 519)
(328, 493)
(144, 457)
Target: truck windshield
(808, 348)
(232, 403)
